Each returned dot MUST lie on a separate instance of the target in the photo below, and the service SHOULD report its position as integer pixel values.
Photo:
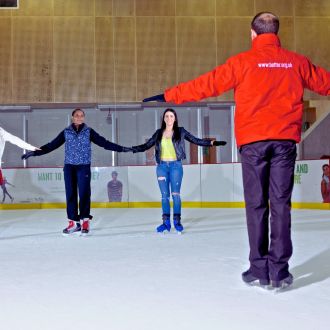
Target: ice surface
(126, 276)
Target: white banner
(45, 185)
(205, 183)
(307, 181)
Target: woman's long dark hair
(176, 132)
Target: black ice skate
(283, 284)
(252, 280)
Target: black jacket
(179, 145)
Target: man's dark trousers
(268, 176)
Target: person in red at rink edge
(269, 83)
(325, 183)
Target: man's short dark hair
(265, 22)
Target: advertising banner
(209, 185)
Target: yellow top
(167, 150)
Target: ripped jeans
(169, 177)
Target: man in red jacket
(269, 82)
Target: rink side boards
(17, 206)
(204, 186)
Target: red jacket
(269, 82)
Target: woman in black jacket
(169, 153)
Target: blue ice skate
(165, 226)
(178, 226)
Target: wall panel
(124, 8)
(195, 8)
(155, 8)
(314, 44)
(125, 50)
(233, 37)
(34, 8)
(156, 58)
(286, 33)
(312, 7)
(114, 7)
(74, 7)
(278, 7)
(195, 46)
(5, 12)
(5, 62)
(74, 68)
(32, 59)
(115, 59)
(104, 58)
(125, 59)
(103, 7)
(235, 8)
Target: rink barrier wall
(203, 186)
(14, 206)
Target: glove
(158, 98)
(134, 149)
(126, 149)
(219, 143)
(28, 154)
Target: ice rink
(126, 276)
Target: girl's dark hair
(176, 132)
(77, 109)
(265, 22)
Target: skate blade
(257, 284)
(75, 234)
(284, 287)
(84, 234)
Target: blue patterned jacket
(78, 144)
(78, 149)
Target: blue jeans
(169, 176)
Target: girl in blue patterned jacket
(77, 168)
